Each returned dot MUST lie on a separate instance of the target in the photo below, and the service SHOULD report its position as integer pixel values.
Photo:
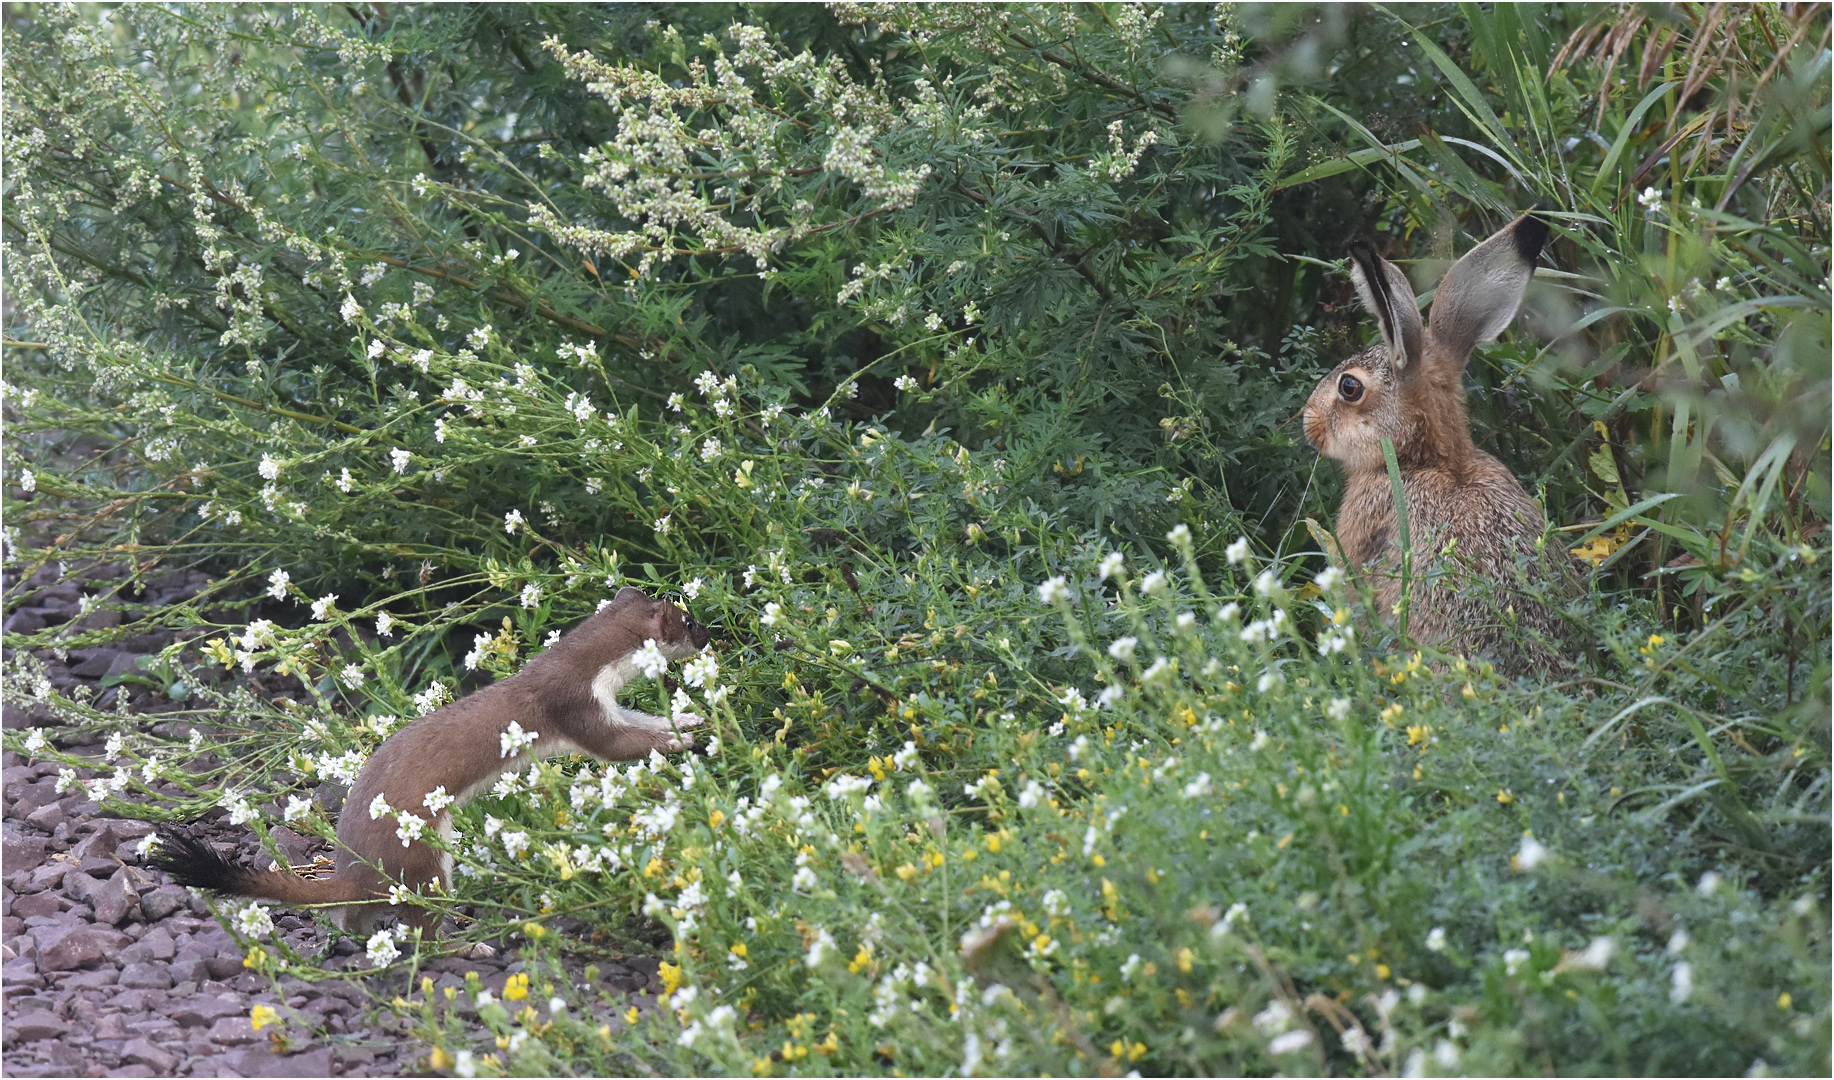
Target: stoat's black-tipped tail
(192, 862)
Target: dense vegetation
(938, 357)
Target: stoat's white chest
(609, 682)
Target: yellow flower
(993, 842)
(1505, 796)
(906, 872)
(517, 987)
(1418, 733)
(1784, 1000)
(1382, 971)
(1391, 712)
(631, 1016)
(715, 818)
(439, 1059)
(1184, 960)
(261, 1016)
(739, 950)
(255, 958)
(1469, 692)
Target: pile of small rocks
(110, 969)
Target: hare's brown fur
(1468, 517)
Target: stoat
(564, 701)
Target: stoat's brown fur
(566, 697)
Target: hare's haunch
(1468, 519)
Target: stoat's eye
(1350, 388)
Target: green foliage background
(855, 325)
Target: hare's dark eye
(1350, 388)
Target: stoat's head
(675, 632)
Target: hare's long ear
(1483, 291)
(1387, 295)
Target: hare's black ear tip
(1531, 233)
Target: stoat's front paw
(688, 720)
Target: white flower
(1290, 1041)
(773, 612)
(1180, 534)
(465, 1064)
(1228, 612)
(35, 743)
(277, 584)
(1110, 696)
(254, 921)
(241, 811)
(382, 951)
(703, 670)
(1513, 960)
(531, 596)
(512, 520)
(1031, 795)
(296, 808)
(344, 482)
(385, 624)
(1709, 883)
(1338, 708)
(1123, 648)
(1260, 741)
(661, 525)
(1597, 956)
(649, 659)
(1154, 582)
(905, 383)
(321, 608)
(352, 676)
(1199, 787)
(1531, 854)
(1053, 590)
(1111, 564)
(1237, 551)
(1681, 982)
(820, 947)
(1328, 579)
(803, 881)
(378, 807)
(28, 481)
(1130, 967)
(710, 449)
(1445, 1053)
(1650, 200)
(400, 459)
(269, 468)
(410, 827)
(516, 844)
(513, 741)
(1436, 939)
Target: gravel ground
(109, 969)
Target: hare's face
(1353, 408)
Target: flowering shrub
(1021, 756)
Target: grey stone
(37, 904)
(162, 901)
(21, 852)
(94, 979)
(46, 818)
(143, 1052)
(259, 1061)
(129, 828)
(65, 947)
(156, 945)
(32, 1026)
(114, 898)
(20, 973)
(132, 1070)
(203, 1011)
(234, 1031)
(146, 976)
(96, 663)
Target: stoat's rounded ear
(629, 593)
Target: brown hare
(1468, 518)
